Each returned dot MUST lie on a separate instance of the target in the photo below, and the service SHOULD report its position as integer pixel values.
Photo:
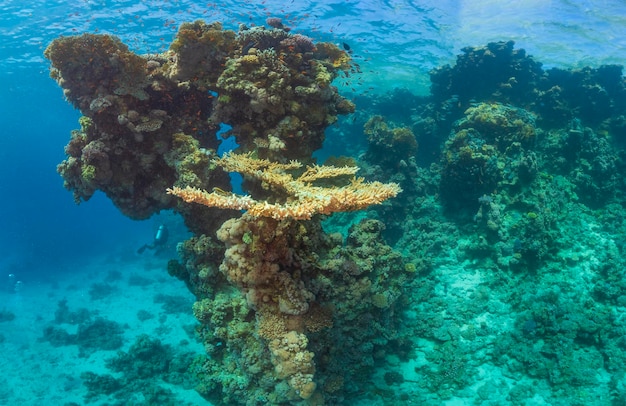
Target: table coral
(304, 199)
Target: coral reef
(508, 235)
(91, 335)
(150, 121)
(500, 73)
(302, 292)
(515, 229)
(277, 94)
(276, 295)
(496, 72)
(134, 124)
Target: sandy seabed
(117, 288)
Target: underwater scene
(313, 203)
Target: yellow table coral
(304, 198)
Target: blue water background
(43, 233)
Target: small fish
(248, 46)
(221, 192)
(346, 47)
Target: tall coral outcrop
(274, 291)
(141, 109)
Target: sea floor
(132, 290)
(135, 291)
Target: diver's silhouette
(160, 239)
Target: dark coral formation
(388, 145)
(277, 94)
(496, 72)
(141, 373)
(92, 334)
(500, 73)
(137, 123)
(490, 148)
(495, 108)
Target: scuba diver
(158, 244)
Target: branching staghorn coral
(305, 199)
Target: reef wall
(512, 214)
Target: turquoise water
(498, 277)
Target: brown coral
(294, 363)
